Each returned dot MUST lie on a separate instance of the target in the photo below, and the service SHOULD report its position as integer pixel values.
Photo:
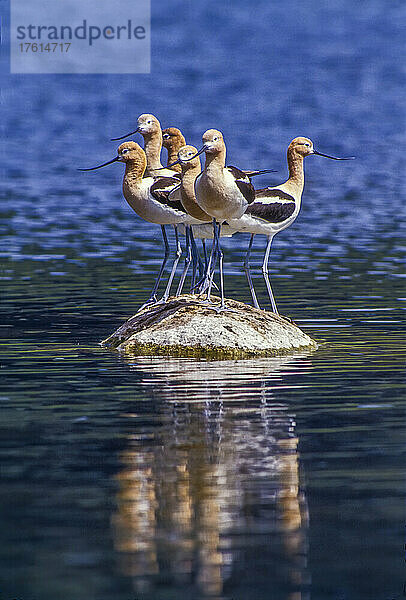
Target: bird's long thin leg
(203, 282)
(195, 259)
(174, 267)
(221, 261)
(218, 253)
(266, 276)
(204, 254)
(207, 278)
(200, 264)
(152, 299)
(188, 260)
(248, 272)
(212, 259)
(163, 265)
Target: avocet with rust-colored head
(222, 192)
(275, 208)
(173, 140)
(149, 198)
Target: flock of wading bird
(211, 203)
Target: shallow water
(149, 478)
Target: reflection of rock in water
(187, 380)
(213, 500)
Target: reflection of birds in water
(214, 490)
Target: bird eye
(149, 122)
(190, 154)
(215, 139)
(306, 144)
(124, 151)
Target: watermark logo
(80, 36)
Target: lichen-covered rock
(184, 327)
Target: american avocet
(150, 129)
(149, 198)
(172, 141)
(222, 192)
(275, 208)
(190, 164)
(189, 171)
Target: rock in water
(184, 327)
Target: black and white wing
(161, 190)
(238, 174)
(175, 198)
(243, 183)
(272, 205)
(247, 174)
